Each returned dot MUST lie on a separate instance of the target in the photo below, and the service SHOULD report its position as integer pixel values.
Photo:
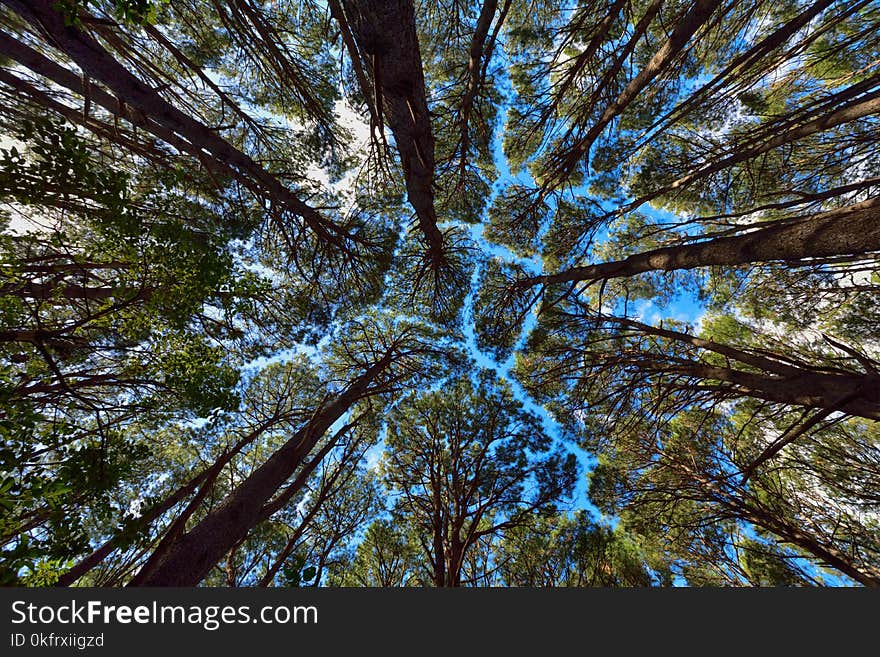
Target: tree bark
(97, 64)
(777, 380)
(474, 76)
(852, 394)
(202, 479)
(698, 15)
(385, 33)
(852, 230)
(45, 291)
(197, 551)
(102, 552)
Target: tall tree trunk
(46, 291)
(98, 64)
(753, 55)
(474, 74)
(696, 17)
(385, 33)
(778, 380)
(853, 394)
(852, 230)
(197, 551)
(798, 537)
(203, 479)
(863, 106)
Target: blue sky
(684, 307)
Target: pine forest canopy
(360, 292)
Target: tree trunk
(385, 33)
(202, 479)
(698, 15)
(828, 553)
(777, 380)
(864, 106)
(196, 552)
(474, 76)
(852, 230)
(46, 291)
(853, 394)
(749, 58)
(97, 64)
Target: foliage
(253, 252)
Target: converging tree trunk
(771, 377)
(697, 16)
(156, 114)
(195, 553)
(853, 230)
(385, 33)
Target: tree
(101, 298)
(388, 366)
(574, 551)
(686, 489)
(460, 462)
(385, 557)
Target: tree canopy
(398, 293)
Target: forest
(439, 293)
